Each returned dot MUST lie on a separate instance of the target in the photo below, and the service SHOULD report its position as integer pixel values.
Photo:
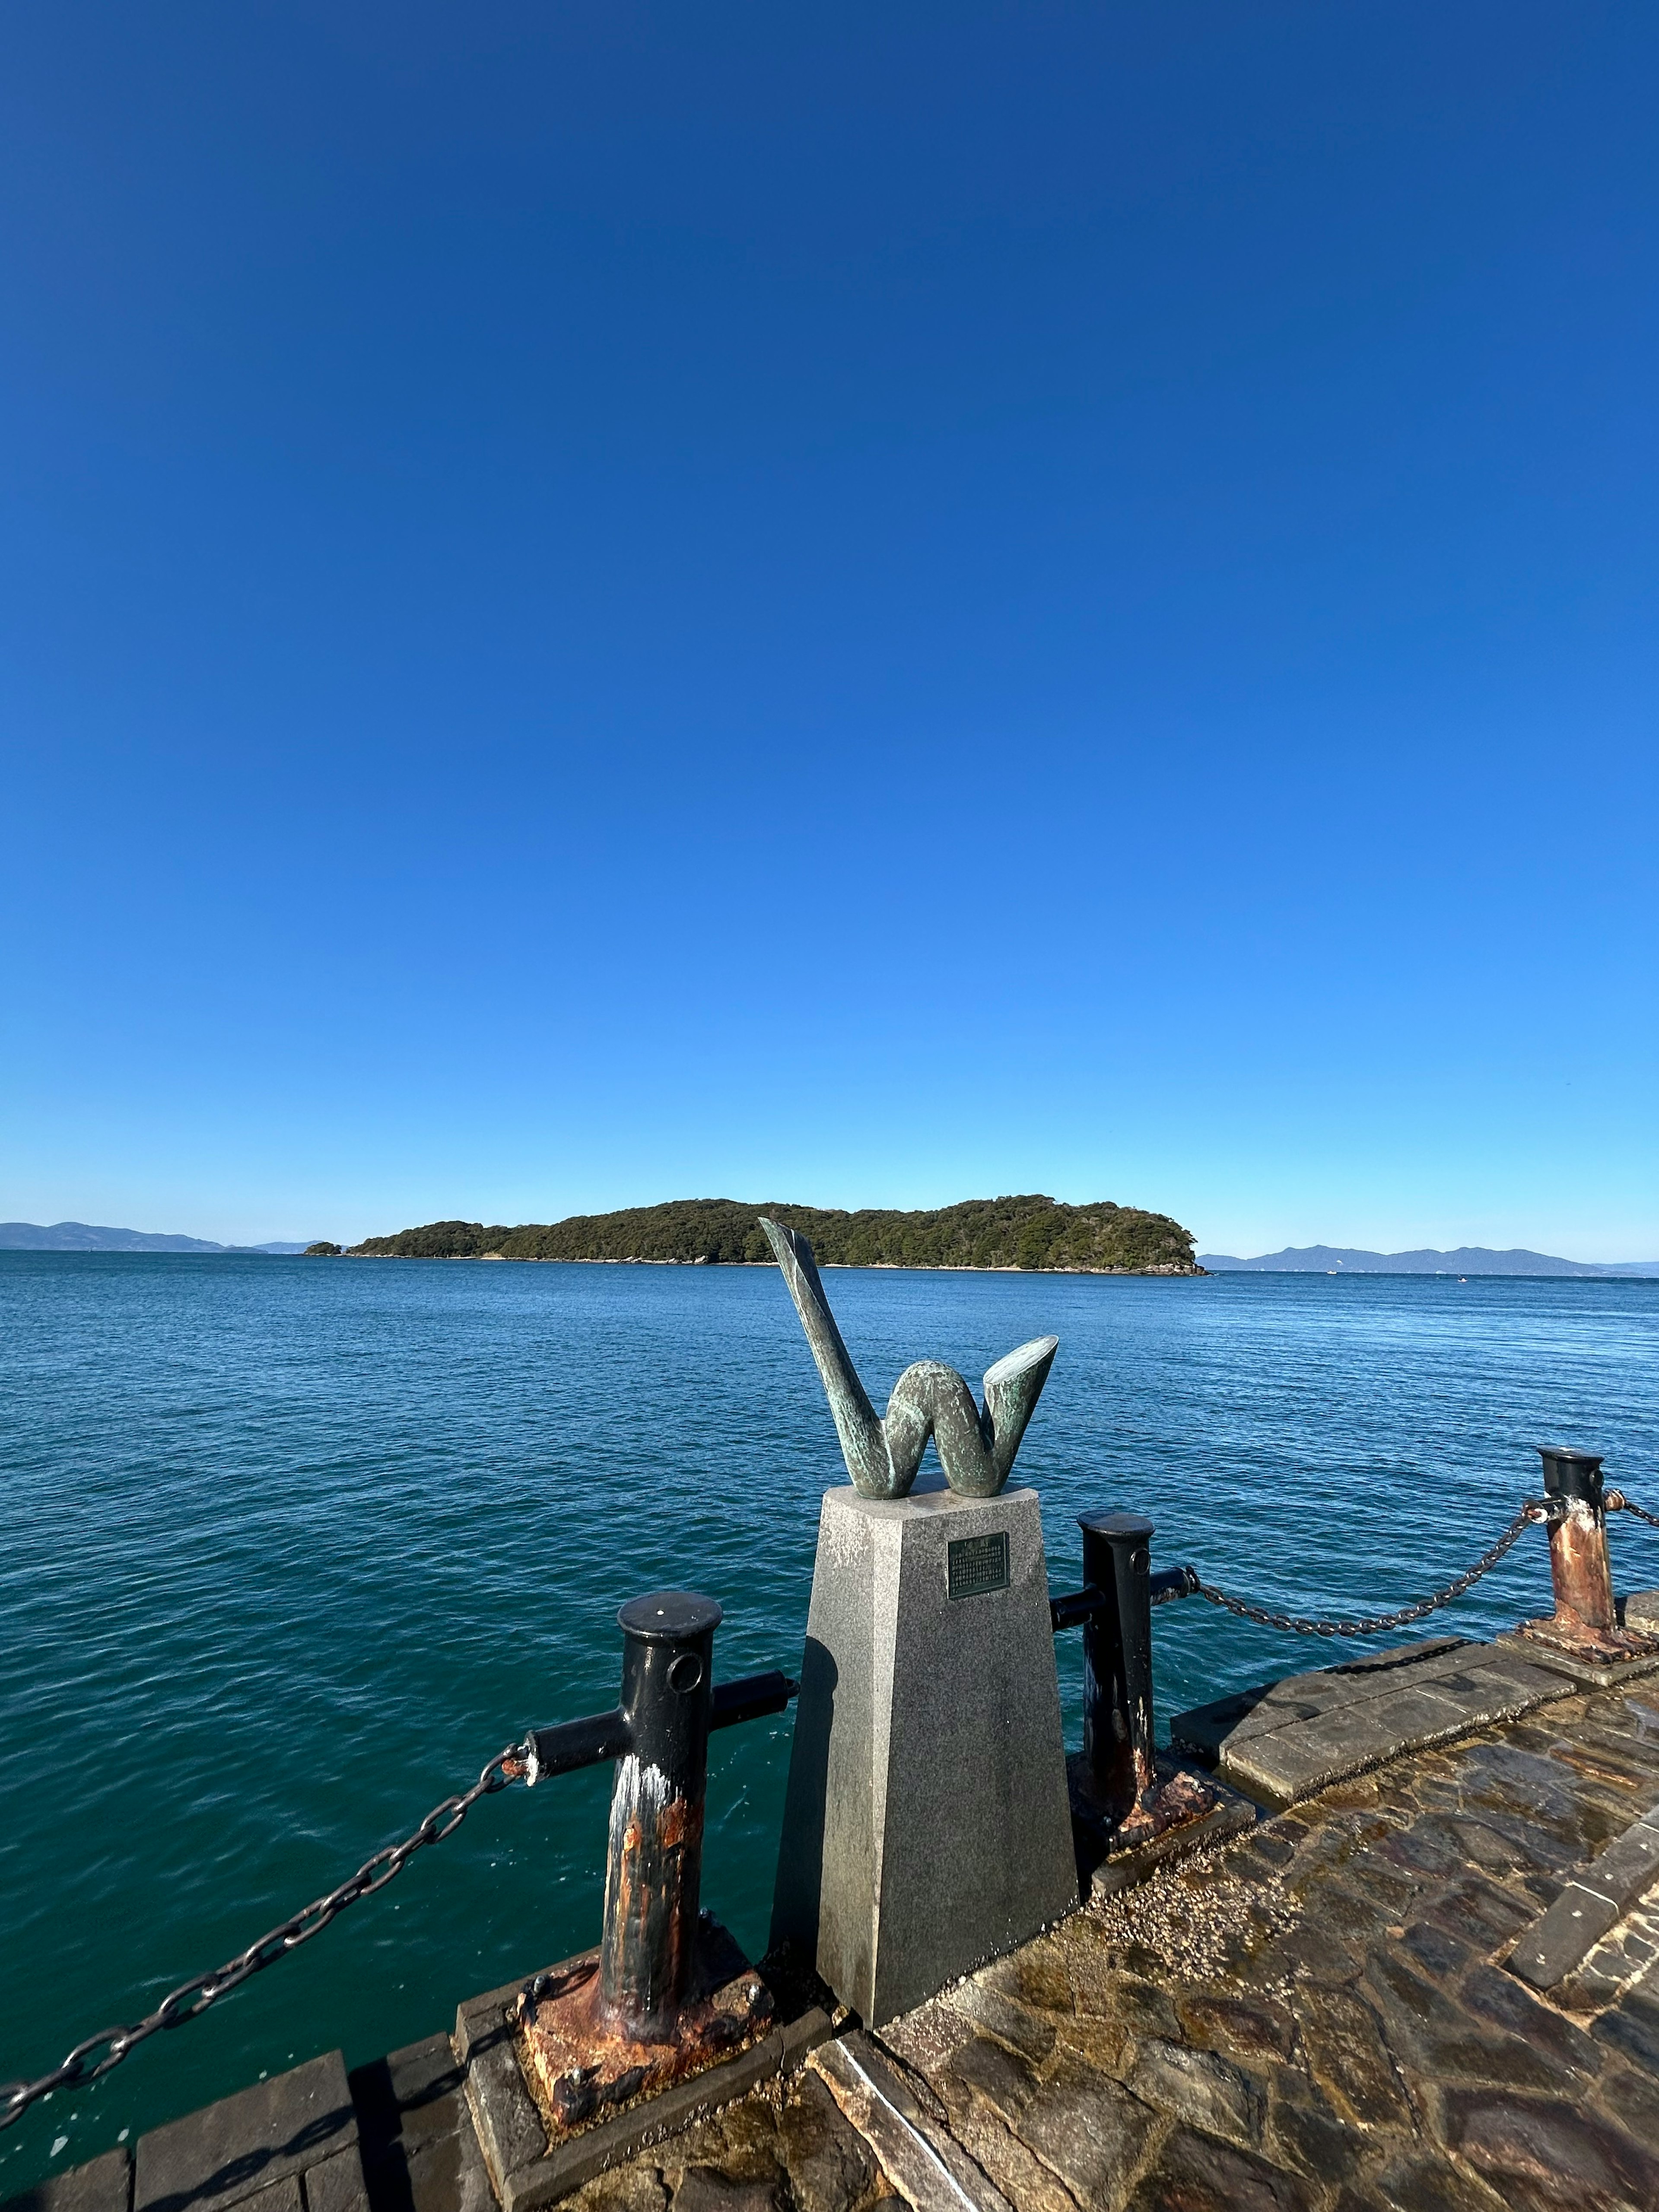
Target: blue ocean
(291, 1548)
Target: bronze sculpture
(976, 1445)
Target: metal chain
(100, 2052)
(1616, 1502)
(1294, 1624)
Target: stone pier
(1427, 1986)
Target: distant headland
(1001, 1233)
(90, 1236)
(1467, 1260)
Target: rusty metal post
(1579, 1568)
(1585, 1622)
(668, 1991)
(1117, 1663)
(654, 1869)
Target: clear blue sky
(865, 604)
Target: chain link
(1294, 1624)
(100, 2052)
(1616, 1502)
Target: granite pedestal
(927, 1826)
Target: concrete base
(925, 1827)
(1285, 1740)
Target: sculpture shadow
(800, 1872)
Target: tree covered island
(1036, 1233)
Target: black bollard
(1579, 1568)
(669, 1992)
(1117, 1663)
(655, 1870)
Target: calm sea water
(291, 1548)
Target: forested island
(1033, 1232)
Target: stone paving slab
(1590, 1673)
(1258, 1711)
(922, 2160)
(336, 2184)
(1597, 1897)
(1626, 1955)
(101, 2184)
(282, 2196)
(239, 2147)
(1284, 1741)
(420, 2151)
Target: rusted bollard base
(581, 2069)
(1177, 1801)
(1597, 1657)
(1560, 1631)
(1186, 1811)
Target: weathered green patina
(976, 1445)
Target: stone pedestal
(927, 1825)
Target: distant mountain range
(1467, 1260)
(83, 1236)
